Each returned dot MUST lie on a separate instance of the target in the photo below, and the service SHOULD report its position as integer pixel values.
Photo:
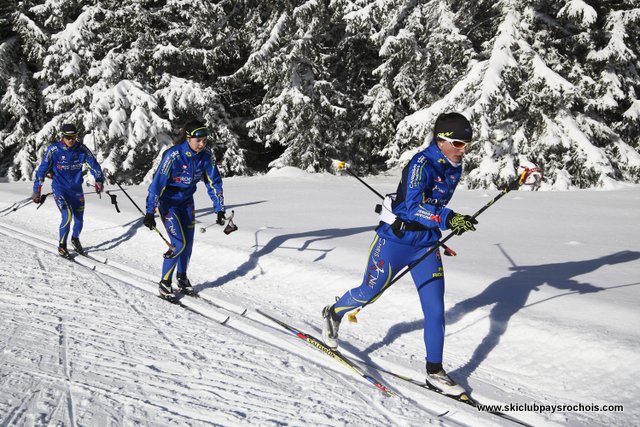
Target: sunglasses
(69, 137)
(199, 133)
(457, 143)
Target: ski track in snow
(80, 347)
(195, 372)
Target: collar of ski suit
(75, 146)
(439, 160)
(186, 150)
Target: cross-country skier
(410, 224)
(64, 161)
(171, 191)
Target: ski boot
(443, 383)
(63, 252)
(166, 292)
(185, 285)
(330, 327)
(75, 242)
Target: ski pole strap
(42, 199)
(114, 201)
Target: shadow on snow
(277, 242)
(509, 295)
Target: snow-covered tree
(302, 109)
(304, 82)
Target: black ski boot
(165, 291)
(185, 285)
(63, 252)
(75, 242)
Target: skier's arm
(418, 185)
(160, 181)
(213, 182)
(44, 168)
(94, 166)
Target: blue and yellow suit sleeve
(93, 165)
(213, 182)
(45, 166)
(161, 179)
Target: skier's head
(68, 134)
(197, 133)
(452, 132)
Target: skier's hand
(460, 224)
(149, 221)
(35, 197)
(221, 218)
(99, 187)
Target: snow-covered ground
(541, 310)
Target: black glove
(149, 221)
(459, 223)
(221, 218)
(35, 197)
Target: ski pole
(343, 166)
(520, 180)
(230, 228)
(113, 197)
(16, 205)
(171, 247)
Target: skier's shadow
(134, 226)
(137, 223)
(278, 242)
(509, 295)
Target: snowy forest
(306, 83)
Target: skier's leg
(386, 257)
(428, 276)
(65, 223)
(171, 218)
(77, 208)
(188, 219)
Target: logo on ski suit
(375, 268)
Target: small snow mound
(287, 172)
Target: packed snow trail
(112, 351)
(527, 296)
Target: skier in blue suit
(171, 191)
(411, 223)
(64, 161)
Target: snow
(581, 12)
(541, 309)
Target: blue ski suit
(427, 184)
(171, 191)
(65, 164)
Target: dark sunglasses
(199, 133)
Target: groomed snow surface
(542, 309)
